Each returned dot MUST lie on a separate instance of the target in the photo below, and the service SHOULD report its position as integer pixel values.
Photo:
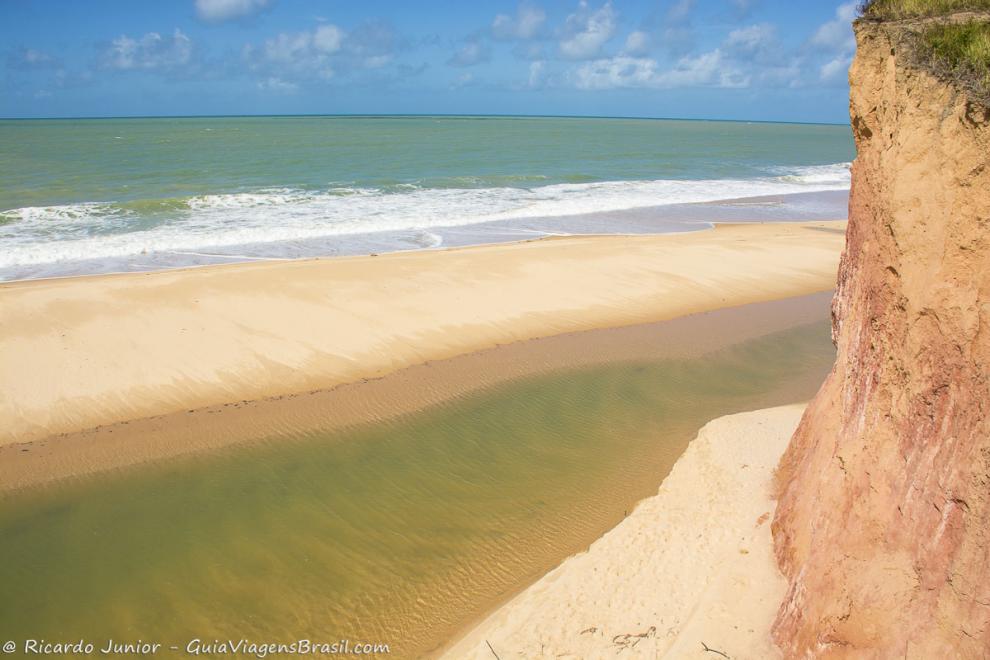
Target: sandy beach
(689, 568)
(143, 367)
(89, 351)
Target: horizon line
(418, 115)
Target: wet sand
(89, 351)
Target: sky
(768, 60)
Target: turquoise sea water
(132, 194)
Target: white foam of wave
(818, 174)
(69, 213)
(41, 235)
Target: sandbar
(82, 352)
(690, 568)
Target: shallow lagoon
(402, 531)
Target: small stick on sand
(707, 649)
(496, 654)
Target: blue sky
(717, 59)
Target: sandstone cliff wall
(883, 524)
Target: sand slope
(691, 565)
(76, 353)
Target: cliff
(883, 522)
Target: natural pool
(403, 531)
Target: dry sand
(81, 352)
(689, 567)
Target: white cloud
(536, 74)
(757, 45)
(837, 40)
(152, 51)
(298, 53)
(304, 51)
(751, 39)
(289, 48)
(753, 55)
(217, 11)
(525, 25)
(706, 70)
(36, 57)
(30, 58)
(277, 85)
(586, 31)
(323, 52)
(750, 55)
(835, 69)
(371, 45)
(837, 34)
(680, 12)
(620, 71)
(327, 38)
(474, 51)
(637, 43)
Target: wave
(818, 174)
(41, 235)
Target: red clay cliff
(883, 522)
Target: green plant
(955, 50)
(897, 9)
(962, 50)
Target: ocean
(108, 195)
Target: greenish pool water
(400, 532)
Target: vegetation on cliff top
(958, 51)
(896, 9)
(962, 51)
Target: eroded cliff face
(883, 523)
